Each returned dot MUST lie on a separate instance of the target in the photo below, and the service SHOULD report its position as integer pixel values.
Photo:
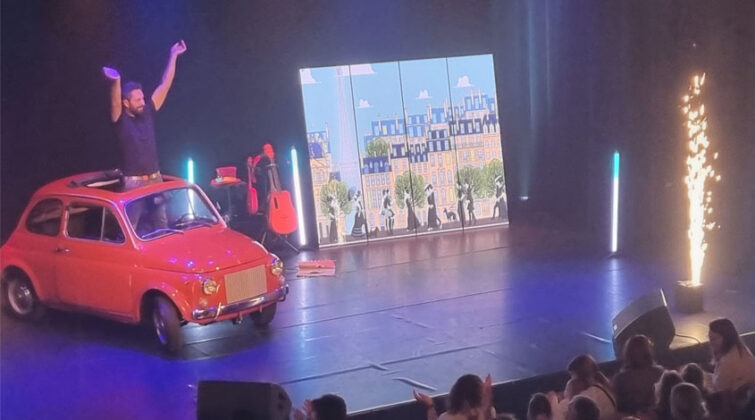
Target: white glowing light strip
(190, 171)
(698, 172)
(297, 196)
(615, 205)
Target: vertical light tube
(297, 197)
(190, 170)
(190, 178)
(615, 205)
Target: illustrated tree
(340, 191)
(415, 185)
(378, 147)
(490, 172)
(474, 177)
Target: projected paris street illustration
(404, 148)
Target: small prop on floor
(317, 268)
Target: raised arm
(115, 92)
(161, 92)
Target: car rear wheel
(264, 317)
(19, 298)
(167, 324)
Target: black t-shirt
(137, 138)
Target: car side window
(44, 218)
(93, 222)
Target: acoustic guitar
(281, 214)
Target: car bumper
(277, 295)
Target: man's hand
(111, 74)
(178, 48)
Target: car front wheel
(264, 317)
(19, 298)
(167, 324)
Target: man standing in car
(132, 118)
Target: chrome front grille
(245, 284)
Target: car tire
(166, 324)
(19, 298)
(264, 317)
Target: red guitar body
(282, 217)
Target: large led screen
(404, 148)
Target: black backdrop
(576, 80)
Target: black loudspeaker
(242, 400)
(646, 315)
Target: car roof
(98, 185)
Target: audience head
(638, 353)
(465, 394)
(693, 373)
(329, 407)
(723, 337)
(582, 408)
(539, 408)
(584, 374)
(687, 402)
(669, 379)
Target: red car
(159, 254)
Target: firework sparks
(698, 173)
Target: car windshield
(169, 212)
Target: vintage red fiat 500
(159, 254)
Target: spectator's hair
(584, 408)
(585, 368)
(538, 405)
(725, 328)
(638, 353)
(330, 407)
(129, 87)
(693, 373)
(669, 379)
(466, 392)
(687, 402)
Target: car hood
(201, 250)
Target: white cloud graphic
(463, 82)
(306, 77)
(363, 103)
(424, 94)
(361, 69)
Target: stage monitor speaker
(242, 400)
(646, 315)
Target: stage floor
(398, 315)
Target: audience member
(539, 408)
(687, 403)
(470, 398)
(327, 407)
(634, 384)
(587, 380)
(734, 365)
(694, 374)
(582, 408)
(669, 379)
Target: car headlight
(276, 267)
(209, 286)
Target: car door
(96, 259)
(40, 243)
